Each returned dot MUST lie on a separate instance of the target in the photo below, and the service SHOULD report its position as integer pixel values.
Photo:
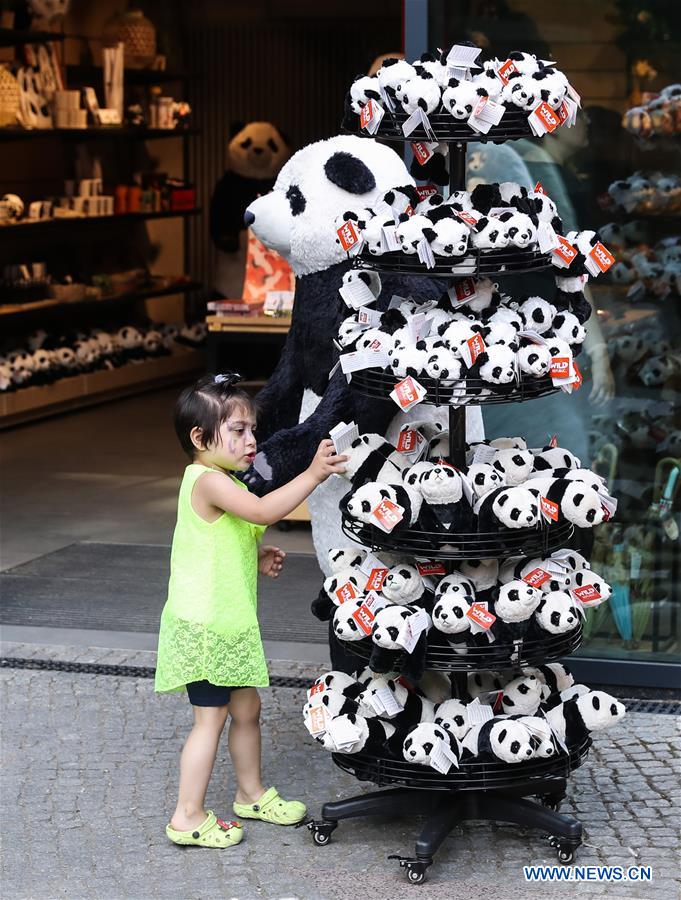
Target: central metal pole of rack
(457, 415)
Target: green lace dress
(209, 625)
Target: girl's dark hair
(206, 405)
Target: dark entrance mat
(122, 587)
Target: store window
(616, 171)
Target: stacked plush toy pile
(538, 714)
(660, 117)
(652, 194)
(457, 82)
(506, 486)
(648, 270)
(43, 359)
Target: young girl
(209, 641)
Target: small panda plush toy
(452, 715)
(484, 573)
(340, 683)
(538, 314)
(571, 693)
(483, 478)
(541, 734)
(568, 328)
(415, 708)
(404, 585)
(372, 458)
(553, 86)
(387, 652)
(484, 683)
(505, 740)
(374, 735)
(344, 624)
(574, 720)
(419, 92)
(577, 503)
(586, 578)
(324, 604)
(373, 234)
(398, 199)
(522, 696)
(514, 606)
(554, 678)
(521, 228)
(447, 236)
(392, 73)
(460, 97)
(555, 458)
(335, 704)
(421, 743)
(508, 507)
(441, 487)
(521, 91)
(363, 89)
(489, 233)
(545, 210)
(346, 557)
(456, 583)
(495, 366)
(514, 466)
(409, 360)
(442, 364)
(360, 504)
(348, 333)
(534, 360)
(557, 613)
(369, 279)
(450, 618)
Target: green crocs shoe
(272, 808)
(212, 832)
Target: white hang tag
(486, 113)
(572, 93)
(463, 56)
(547, 237)
(609, 504)
(371, 318)
(389, 702)
(478, 713)
(396, 301)
(377, 704)
(343, 435)
(484, 454)
(410, 632)
(389, 241)
(356, 294)
(418, 326)
(534, 337)
(334, 369)
(459, 73)
(459, 396)
(369, 563)
(342, 732)
(439, 760)
(386, 98)
(373, 601)
(411, 443)
(425, 253)
(561, 556)
(418, 117)
(364, 359)
(318, 720)
(370, 116)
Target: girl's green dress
(209, 625)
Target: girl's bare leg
(244, 744)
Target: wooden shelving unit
(51, 227)
(15, 37)
(247, 324)
(94, 133)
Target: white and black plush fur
(422, 741)
(574, 720)
(421, 91)
(386, 651)
(514, 605)
(453, 717)
(483, 478)
(522, 695)
(555, 677)
(483, 683)
(324, 605)
(344, 626)
(372, 458)
(578, 503)
(404, 585)
(557, 613)
(555, 458)
(508, 507)
(450, 618)
(482, 572)
(514, 465)
(501, 739)
(346, 557)
(374, 735)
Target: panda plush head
(501, 333)
(522, 695)
(373, 233)
(363, 89)
(411, 230)
(460, 97)
(555, 458)
(588, 577)
(450, 614)
(510, 507)
(568, 328)
(392, 73)
(521, 229)
(442, 364)
(387, 625)
(348, 332)
(343, 576)
(557, 613)
(516, 601)
(367, 277)
(422, 742)
(419, 92)
(534, 360)
(453, 717)
(496, 366)
(553, 86)
(522, 91)
(504, 739)
(538, 314)
(317, 184)
(579, 504)
(344, 625)
(483, 478)
(599, 710)
(402, 585)
(489, 233)
(360, 504)
(409, 360)
(447, 236)
(457, 584)
(441, 484)
(340, 682)
(508, 316)
(514, 466)
(256, 150)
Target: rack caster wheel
(416, 868)
(321, 832)
(552, 801)
(566, 855)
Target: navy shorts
(203, 693)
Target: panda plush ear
(453, 82)
(504, 217)
(481, 92)
(481, 224)
(349, 173)
(429, 234)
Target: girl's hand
(270, 561)
(326, 462)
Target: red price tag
(376, 579)
(422, 152)
(389, 514)
(318, 688)
(426, 190)
(539, 188)
(576, 385)
(504, 71)
(560, 367)
(346, 592)
(317, 720)
(430, 568)
(406, 392)
(480, 105)
(497, 705)
(587, 593)
(476, 345)
(364, 618)
(367, 114)
(550, 509)
(602, 257)
(607, 515)
(536, 577)
(467, 217)
(464, 289)
(348, 235)
(565, 250)
(547, 115)
(553, 443)
(481, 616)
(407, 441)
(409, 209)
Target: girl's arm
(220, 491)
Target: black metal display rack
(494, 791)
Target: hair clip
(228, 379)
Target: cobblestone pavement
(89, 765)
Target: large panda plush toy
(300, 403)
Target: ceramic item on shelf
(138, 35)
(9, 98)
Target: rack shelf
(95, 133)
(473, 265)
(15, 37)
(79, 391)
(51, 227)
(181, 287)
(86, 74)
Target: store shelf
(86, 75)
(52, 227)
(246, 324)
(181, 287)
(33, 403)
(95, 133)
(475, 264)
(15, 37)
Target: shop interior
(132, 139)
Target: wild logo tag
(481, 616)
(426, 190)
(587, 594)
(422, 152)
(388, 514)
(348, 235)
(376, 579)
(407, 441)
(346, 592)
(550, 510)
(565, 251)
(408, 393)
(364, 618)
(536, 577)
(430, 568)
(560, 367)
(602, 257)
(505, 70)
